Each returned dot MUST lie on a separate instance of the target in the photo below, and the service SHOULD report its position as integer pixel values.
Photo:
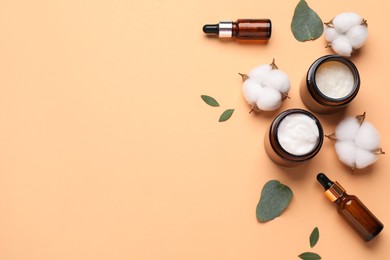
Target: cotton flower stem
(328, 45)
(361, 118)
(273, 65)
(329, 24)
(285, 96)
(364, 22)
(252, 109)
(331, 137)
(378, 151)
(243, 76)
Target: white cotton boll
(330, 34)
(367, 137)
(345, 21)
(278, 80)
(346, 151)
(269, 100)
(260, 72)
(342, 47)
(347, 129)
(252, 91)
(364, 158)
(357, 36)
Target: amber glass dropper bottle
(244, 29)
(358, 216)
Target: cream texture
(334, 79)
(298, 134)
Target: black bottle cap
(211, 29)
(324, 181)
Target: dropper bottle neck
(333, 190)
(223, 29)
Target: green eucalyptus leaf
(226, 115)
(309, 256)
(306, 25)
(210, 101)
(275, 197)
(314, 236)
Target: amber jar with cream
(331, 83)
(294, 137)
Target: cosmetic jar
(294, 137)
(331, 83)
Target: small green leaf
(226, 115)
(275, 197)
(306, 24)
(314, 236)
(309, 256)
(210, 101)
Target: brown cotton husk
(243, 76)
(361, 118)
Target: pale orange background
(108, 152)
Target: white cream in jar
(334, 79)
(294, 137)
(330, 84)
(298, 134)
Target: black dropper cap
(324, 180)
(211, 29)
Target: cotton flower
(357, 142)
(346, 32)
(265, 87)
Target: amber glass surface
(252, 29)
(358, 216)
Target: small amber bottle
(244, 29)
(358, 216)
